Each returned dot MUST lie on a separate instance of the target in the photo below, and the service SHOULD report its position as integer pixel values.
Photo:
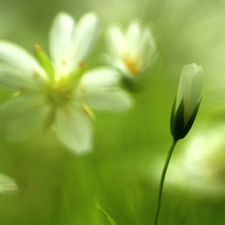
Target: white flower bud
(187, 101)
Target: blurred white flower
(187, 101)
(200, 165)
(7, 185)
(58, 93)
(131, 51)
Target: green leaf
(109, 218)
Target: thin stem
(166, 164)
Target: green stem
(166, 164)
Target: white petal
(15, 80)
(20, 59)
(84, 36)
(133, 37)
(148, 47)
(184, 83)
(22, 116)
(7, 184)
(60, 37)
(190, 87)
(115, 100)
(116, 62)
(73, 128)
(101, 77)
(123, 67)
(196, 87)
(99, 89)
(116, 42)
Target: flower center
(60, 87)
(132, 64)
(60, 92)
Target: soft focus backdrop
(122, 173)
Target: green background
(57, 187)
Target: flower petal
(184, 83)
(99, 89)
(15, 80)
(197, 85)
(60, 37)
(22, 116)
(84, 36)
(101, 77)
(116, 100)
(20, 59)
(189, 90)
(133, 37)
(116, 42)
(73, 128)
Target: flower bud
(187, 102)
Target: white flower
(204, 159)
(187, 101)
(131, 51)
(200, 165)
(58, 93)
(7, 185)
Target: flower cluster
(58, 93)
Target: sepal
(177, 120)
(44, 61)
(190, 121)
(179, 129)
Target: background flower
(131, 51)
(198, 167)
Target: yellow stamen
(82, 65)
(35, 75)
(132, 64)
(37, 48)
(64, 62)
(88, 111)
(85, 110)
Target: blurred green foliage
(60, 188)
